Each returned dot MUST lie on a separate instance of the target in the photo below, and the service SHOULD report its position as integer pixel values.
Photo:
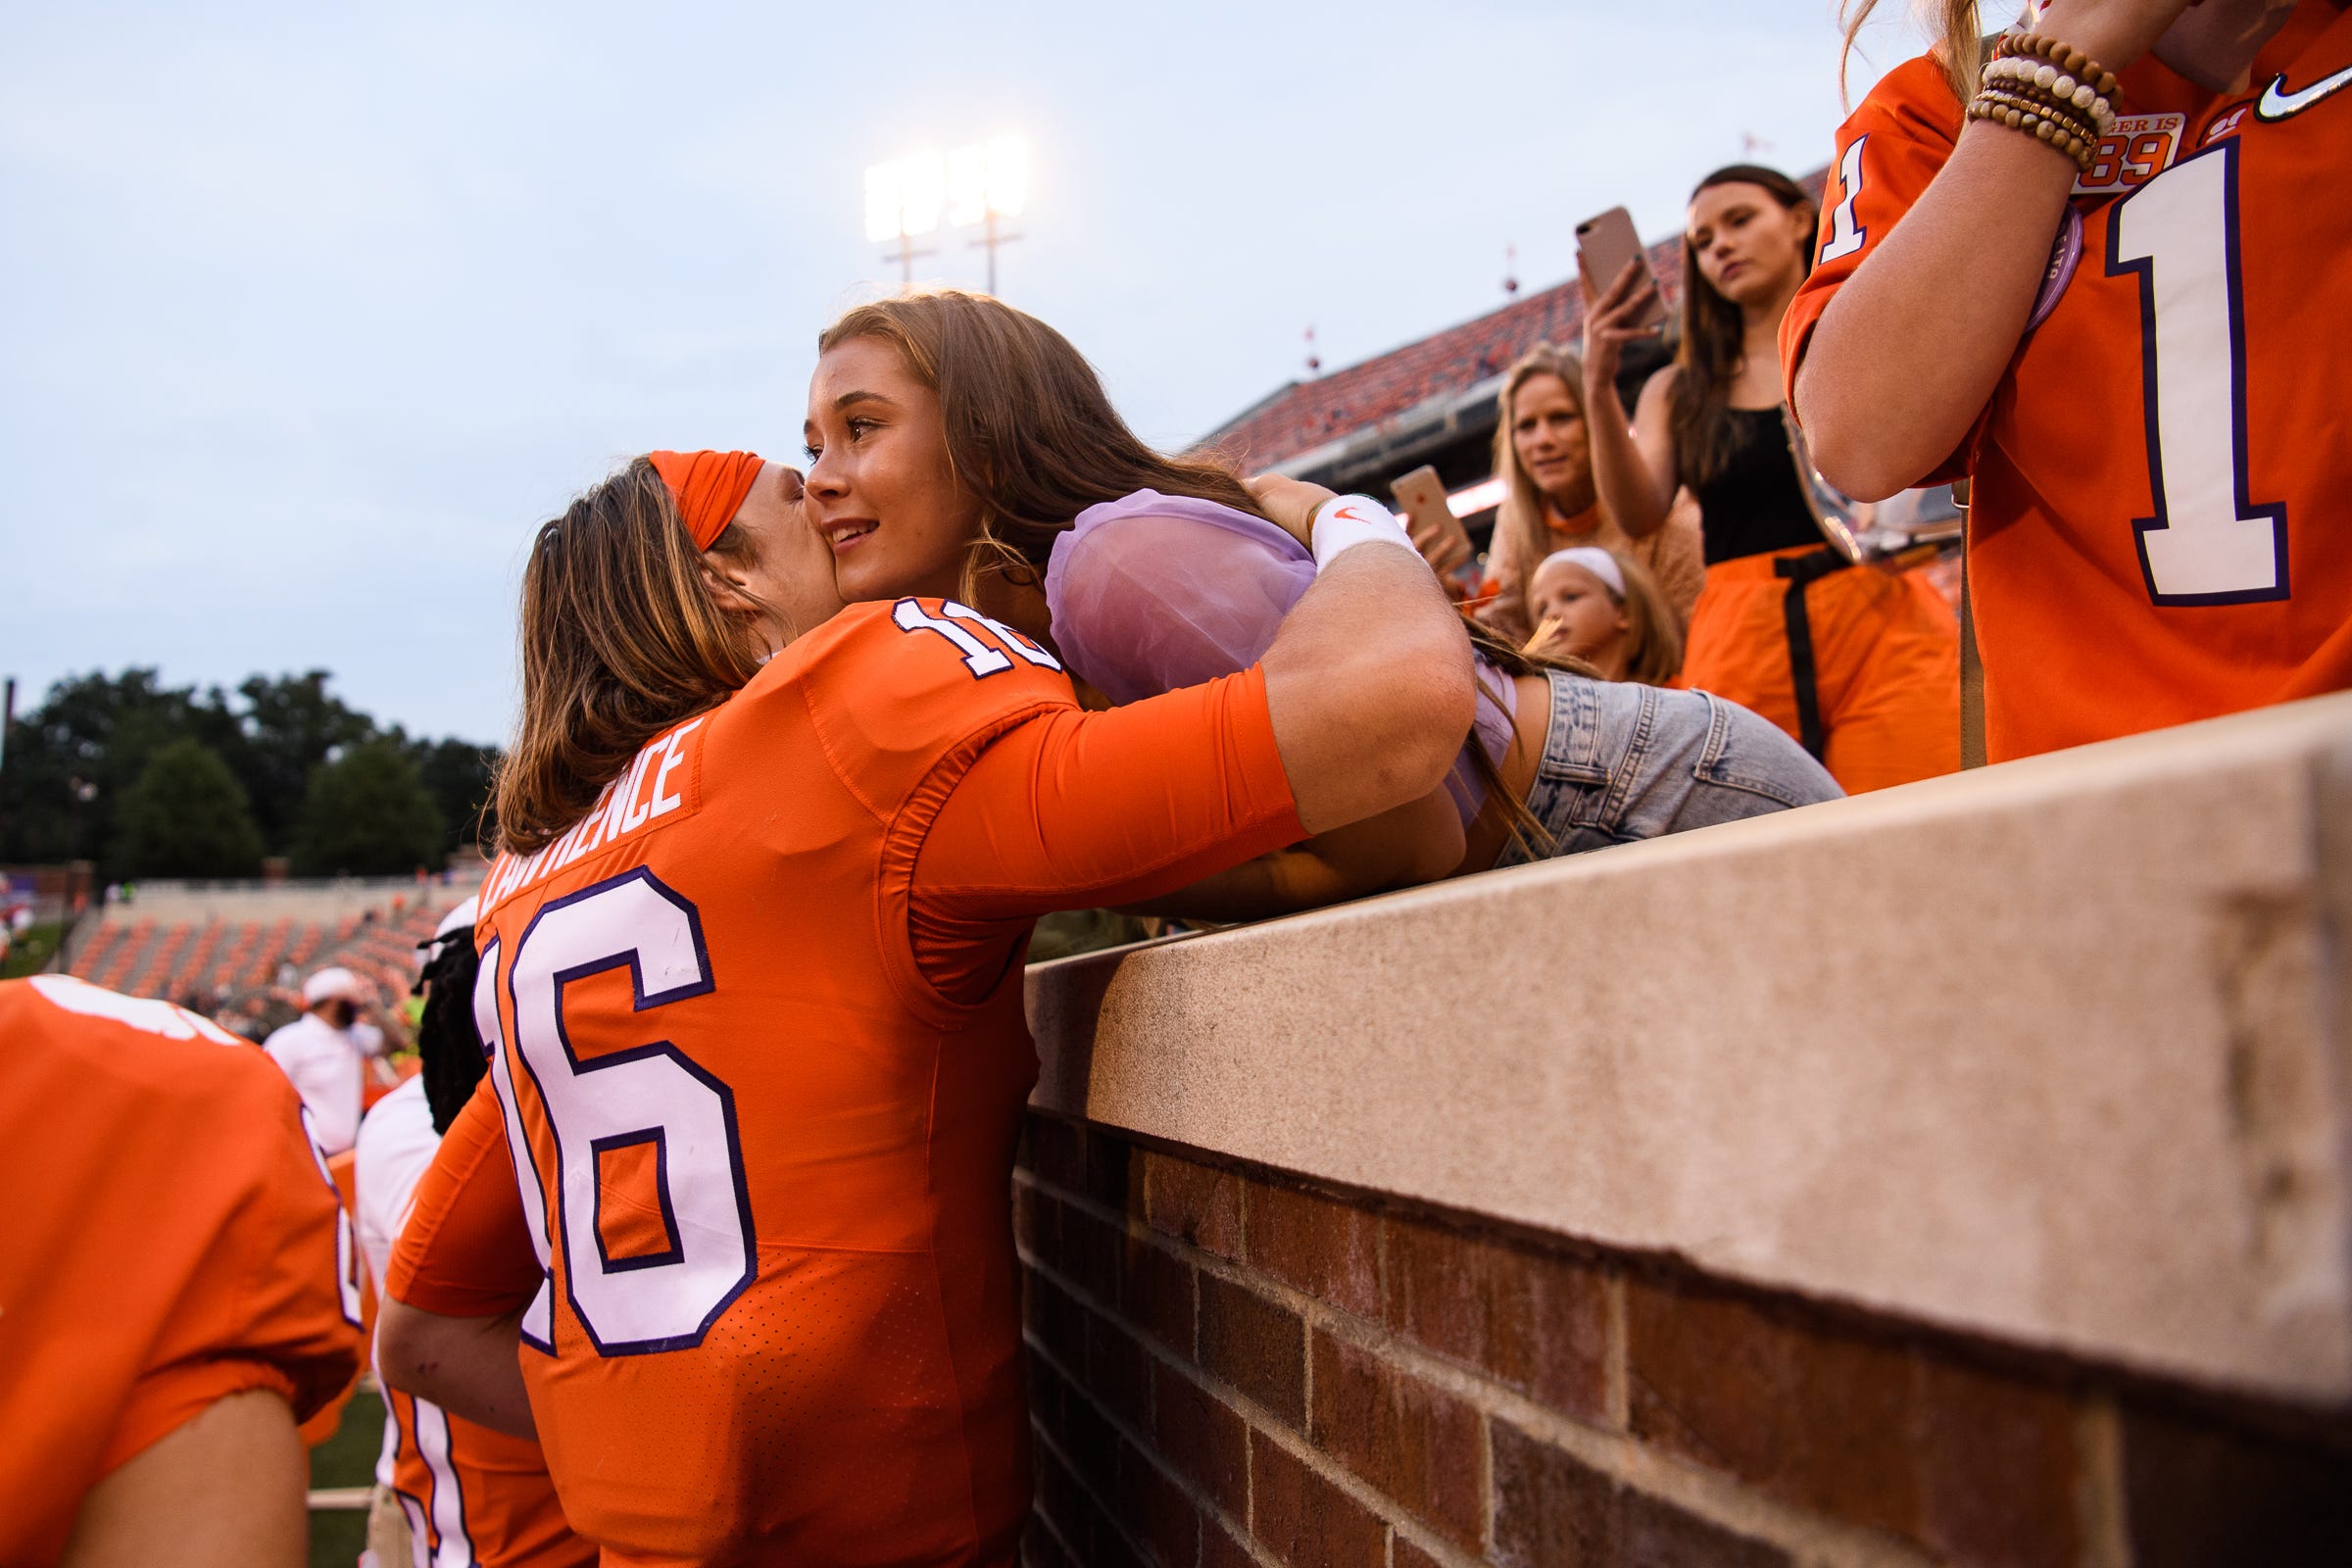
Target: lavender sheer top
(1151, 592)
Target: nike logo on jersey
(2279, 104)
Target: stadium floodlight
(976, 186)
(902, 199)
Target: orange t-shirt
(2148, 538)
(760, 1060)
(172, 1239)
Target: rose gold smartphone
(1436, 532)
(1604, 245)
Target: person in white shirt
(324, 1053)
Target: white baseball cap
(331, 983)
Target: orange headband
(707, 486)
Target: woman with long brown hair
(1860, 666)
(751, 978)
(1543, 454)
(956, 440)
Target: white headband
(1595, 560)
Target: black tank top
(1753, 505)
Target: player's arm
(1148, 603)
(1369, 684)
(226, 1490)
(469, 1366)
(1360, 706)
(1405, 845)
(462, 1272)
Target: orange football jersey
(476, 1497)
(172, 1239)
(2148, 538)
(760, 1060)
(471, 1496)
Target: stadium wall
(1957, 1174)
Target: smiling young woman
(1863, 668)
(952, 436)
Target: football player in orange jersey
(752, 978)
(172, 1293)
(450, 1490)
(2141, 363)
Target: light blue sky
(307, 316)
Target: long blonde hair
(621, 639)
(1520, 519)
(1955, 28)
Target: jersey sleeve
(268, 1305)
(1073, 810)
(466, 1251)
(1890, 150)
(1145, 602)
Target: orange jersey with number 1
(760, 1060)
(2154, 534)
(172, 1239)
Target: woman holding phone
(1543, 454)
(959, 446)
(1862, 667)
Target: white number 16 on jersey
(621, 1099)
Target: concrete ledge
(2058, 1051)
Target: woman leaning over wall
(1860, 666)
(2122, 311)
(959, 444)
(1543, 454)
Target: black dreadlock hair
(448, 1044)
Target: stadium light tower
(981, 187)
(902, 199)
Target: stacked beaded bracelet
(2062, 88)
(2064, 118)
(1989, 107)
(2064, 58)
(2050, 90)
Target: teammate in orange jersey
(172, 1300)
(751, 971)
(2143, 364)
(460, 1491)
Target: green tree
(456, 774)
(71, 761)
(291, 725)
(185, 815)
(367, 813)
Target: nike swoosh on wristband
(2278, 104)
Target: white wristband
(1346, 521)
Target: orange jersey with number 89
(2154, 532)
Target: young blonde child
(1593, 604)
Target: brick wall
(1227, 1368)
